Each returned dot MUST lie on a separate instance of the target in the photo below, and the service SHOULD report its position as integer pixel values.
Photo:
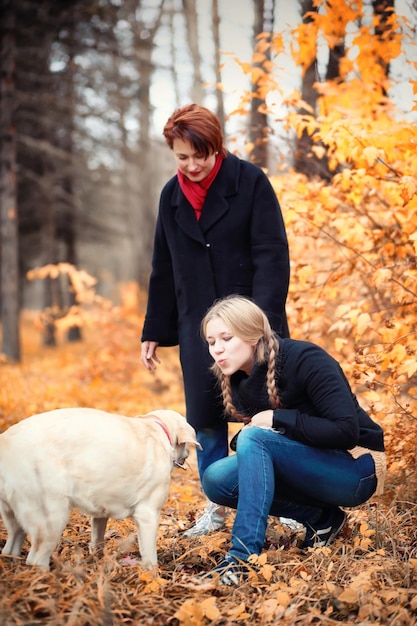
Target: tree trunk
(383, 9)
(217, 62)
(10, 301)
(305, 161)
(258, 119)
(173, 65)
(145, 68)
(190, 14)
(52, 300)
(303, 157)
(67, 218)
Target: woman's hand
(263, 419)
(148, 355)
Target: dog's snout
(182, 454)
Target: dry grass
(369, 576)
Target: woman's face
(192, 164)
(230, 352)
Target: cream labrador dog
(103, 464)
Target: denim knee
(219, 482)
(249, 436)
(209, 482)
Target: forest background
(324, 101)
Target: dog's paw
(128, 561)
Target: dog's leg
(147, 523)
(15, 533)
(40, 552)
(45, 532)
(98, 528)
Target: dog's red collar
(165, 429)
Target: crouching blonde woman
(307, 449)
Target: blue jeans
(215, 446)
(273, 475)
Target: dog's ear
(186, 434)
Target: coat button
(207, 245)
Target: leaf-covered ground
(369, 575)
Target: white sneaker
(212, 519)
(290, 523)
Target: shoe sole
(200, 532)
(332, 536)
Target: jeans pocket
(366, 487)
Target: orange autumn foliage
(353, 245)
(353, 241)
(367, 576)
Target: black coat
(239, 246)
(318, 407)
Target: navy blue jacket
(318, 406)
(239, 246)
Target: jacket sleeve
(161, 319)
(270, 255)
(334, 420)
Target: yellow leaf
(409, 185)
(190, 613)
(267, 571)
(365, 530)
(371, 154)
(263, 109)
(372, 396)
(246, 67)
(409, 367)
(365, 543)
(304, 275)
(210, 609)
(339, 344)
(256, 74)
(381, 276)
(238, 613)
(319, 151)
(349, 595)
(283, 598)
(342, 309)
(268, 609)
(363, 322)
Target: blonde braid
(248, 322)
(227, 399)
(272, 350)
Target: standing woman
(308, 447)
(219, 231)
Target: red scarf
(196, 192)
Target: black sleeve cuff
(284, 420)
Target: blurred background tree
(86, 88)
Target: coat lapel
(214, 208)
(216, 204)
(185, 216)
(224, 186)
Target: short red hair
(198, 126)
